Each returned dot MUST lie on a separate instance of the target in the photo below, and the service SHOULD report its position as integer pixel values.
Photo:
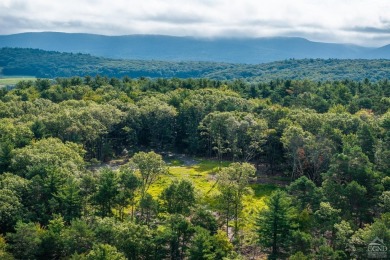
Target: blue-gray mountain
(169, 48)
(51, 64)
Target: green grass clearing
(172, 160)
(4, 81)
(202, 175)
(261, 190)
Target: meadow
(202, 173)
(5, 81)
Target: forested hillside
(44, 64)
(322, 147)
(174, 48)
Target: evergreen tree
(107, 191)
(275, 224)
(178, 197)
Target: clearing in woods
(202, 173)
(5, 81)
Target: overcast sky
(363, 22)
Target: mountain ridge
(52, 64)
(177, 48)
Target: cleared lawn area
(13, 80)
(202, 175)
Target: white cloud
(364, 22)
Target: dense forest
(329, 142)
(49, 64)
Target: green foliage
(49, 64)
(128, 185)
(26, 241)
(384, 203)
(179, 197)
(13, 190)
(205, 219)
(104, 252)
(240, 135)
(275, 224)
(305, 193)
(52, 240)
(76, 180)
(308, 154)
(138, 244)
(150, 166)
(69, 200)
(177, 233)
(158, 122)
(299, 256)
(301, 241)
(233, 186)
(78, 237)
(201, 246)
(11, 209)
(3, 250)
(47, 155)
(107, 191)
(343, 234)
(327, 216)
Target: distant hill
(170, 48)
(50, 64)
(380, 52)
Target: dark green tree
(78, 237)
(179, 232)
(52, 239)
(201, 245)
(204, 218)
(106, 192)
(134, 240)
(128, 184)
(306, 194)
(178, 197)
(26, 242)
(11, 209)
(275, 224)
(69, 200)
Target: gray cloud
(174, 18)
(375, 30)
(364, 22)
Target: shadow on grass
(206, 165)
(262, 190)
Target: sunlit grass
(254, 203)
(14, 80)
(262, 190)
(202, 175)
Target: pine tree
(275, 224)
